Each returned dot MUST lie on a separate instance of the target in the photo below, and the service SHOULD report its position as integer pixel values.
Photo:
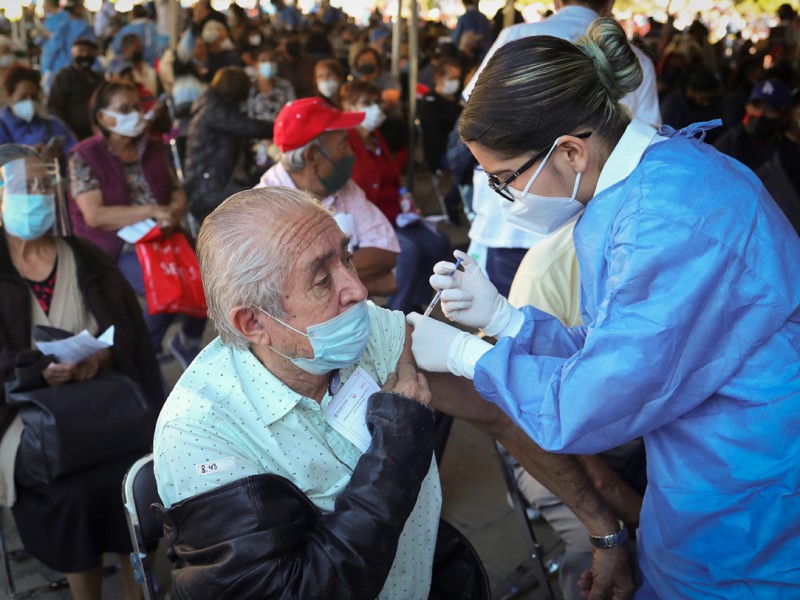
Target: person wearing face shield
(690, 302)
(376, 173)
(119, 177)
(265, 493)
(73, 86)
(756, 138)
(22, 121)
(47, 279)
(316, 157)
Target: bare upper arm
(89, 203)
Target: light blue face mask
(268, 70)
(28, 216)
(337, 343)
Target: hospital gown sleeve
(680, 313)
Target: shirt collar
(627, 154)
(273, 398)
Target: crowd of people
(283, 140)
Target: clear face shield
(32, 199)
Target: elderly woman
(119, 177)
(70, 284)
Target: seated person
(376, 173)
(22, 121)
(121, 70)
(329, 78)
(755, 140)
(439, 110)
(264, 496)
(67, 283)
(269, 93)
(315, 156)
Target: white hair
(295, 160)
(240, 262)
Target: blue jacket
(57, 49)
(690, 293)
(38, 131)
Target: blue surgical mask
(268, 70)
(28, 216)
(337, 343)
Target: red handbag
(171, 275)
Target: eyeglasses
(501, 187)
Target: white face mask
(24, 109)
(374, 117)
(328, 87)
(450, 87)
(129, 125)
(542, 215)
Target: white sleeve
(643, 102)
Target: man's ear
(249, 322)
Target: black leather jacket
(261, 537)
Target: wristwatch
(611, 540)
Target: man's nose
(353, 291)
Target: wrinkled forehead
(28, 176)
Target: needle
(438, 295)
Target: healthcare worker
(690, 297)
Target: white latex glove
(469, 298)
(439, 347)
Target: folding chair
(139, 491)
(537, 569)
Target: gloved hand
(439, 347)
(470, 298)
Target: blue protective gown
(690, 293)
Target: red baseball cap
(302, 120)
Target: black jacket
(69, 97)
(109, 298)
(261, 537)
(215, 141)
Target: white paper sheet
(73, 350)
(347, 410)
(133, 233)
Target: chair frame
(143, 572)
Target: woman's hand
(88, 367)
(58, 373)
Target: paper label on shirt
(215, 466)
(133, 233)
(73, 350)
(347, 410)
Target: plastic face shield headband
(29, 176)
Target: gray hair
(295, 160)
(241, 263)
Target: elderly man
(265, 493)
(316, 157)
